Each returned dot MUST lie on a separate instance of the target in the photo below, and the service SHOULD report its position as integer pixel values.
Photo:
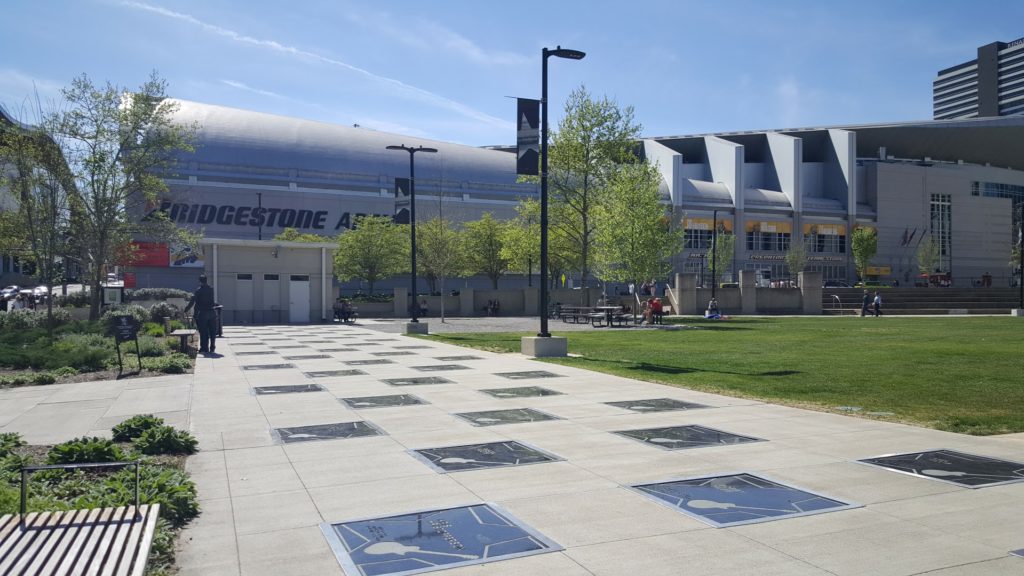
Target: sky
(449, 70)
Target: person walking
(878, 304)
(864, 304)
(205, 316)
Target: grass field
(958, 374)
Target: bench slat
(64, 536)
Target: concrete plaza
(263, 500)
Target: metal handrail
(26, 470)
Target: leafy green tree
(927, 255)
(39, 180)
(796, 257)
(865, 246)
(720, 252)
(593, 141)
(440, 252)
(483, 248)
(119, 146)
(375, 248)
(293, 235)
(521, 239)
(635, 237)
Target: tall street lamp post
(415, 308)
(558, 52)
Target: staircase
(897, 301)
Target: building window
(300, 278)
(826, 243)
(758, 241)
(698, 239)
(270, 277)
(941, 227)
(243, 276)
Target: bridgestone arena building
(957, 181)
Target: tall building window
(825, 238)
(941, 227)
(758, 241)
(698, 239)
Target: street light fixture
(415, 308)
(558, 52)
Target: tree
(483, 248)
(720, 253)
(865, 246)
(520, 243)
(796, 257)
(38, 179)
(635, 238)
(375, 248)
(119, 146)
(593, 141)
(440, 252)
(293, 235)
(927, 255)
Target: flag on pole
(528, 136)
(904, 241)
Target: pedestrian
(205, 316)
(865, 303)
(878, 304)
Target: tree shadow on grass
(675, 370)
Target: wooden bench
(103, 541)
(185, 336)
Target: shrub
(177, 325)
(140, 314)
(85, 449)
(160, 310)
(176, 363)
(25, 318)
(155, 294)
(166, 440)
(150, 347)
(64, 371)
(169, 487)
(9, 441)
(78, 299)
(15, 380)
(153, 329)
(83, 352)
(133, 427)
(40, 378)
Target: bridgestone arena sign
(252, 216)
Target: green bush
(85, 449)
(40, 378)
(166, 440)
(177, 325)
(78, 299)
(15, 380)
(170, 488)
(153, 329)
(84, 352)
(64, 371)
(133, 427)
(140, 314)
(9, 441)
(25, 318)
(162, 310)
(150, 347)
(176, 363)
(155, 294)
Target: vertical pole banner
(402, 201)
(528, 136)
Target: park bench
(185, 335)
(101, 541)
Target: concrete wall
(725, 164)
(786, 154)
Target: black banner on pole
(402, 201)
(528, 136)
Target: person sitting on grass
(713, 312)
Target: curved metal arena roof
(230, 136)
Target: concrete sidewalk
(263, 500)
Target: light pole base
(417, 328)
(1018, 312)
(545, 347)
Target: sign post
(126, 328)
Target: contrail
(412, 91)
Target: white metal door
(298, 299)
(242, 308)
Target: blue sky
(445, 69)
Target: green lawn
(959, 374)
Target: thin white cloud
(247, 88)
(429, 35)
(407, 89)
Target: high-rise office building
(990, 85)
